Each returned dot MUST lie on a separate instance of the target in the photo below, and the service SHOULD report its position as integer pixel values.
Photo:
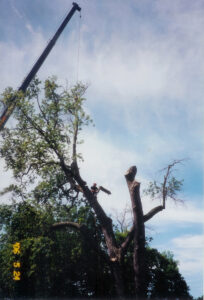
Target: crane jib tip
(77, 6)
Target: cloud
(22, 17)
(189, 252)
(188, 213)
(17, 12)
(106, 164)
(161, 69)
(16, 61)
(30, 29)
(150, 64)
(189, 241)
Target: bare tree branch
(127, 241)
(42, 112)
(153, 212)
(82, 228)
(123, 218)
(67, 224)
(42, 163)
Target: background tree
(200, 298)
(42, 152)
(53, 263)
(63, 264)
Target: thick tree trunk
(139, 233)
(139, 246)
(119, 283)
(107, 229)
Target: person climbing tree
(94, 189)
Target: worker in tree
(94, 189)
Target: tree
(53, 263)
(21, 222)
(165, 280)
(61, 264)
(42, 151)
(167, 189)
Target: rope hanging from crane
(78, 48)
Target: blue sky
(143, 61)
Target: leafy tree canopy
(44, 139)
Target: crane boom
(9, 109)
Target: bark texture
(139, 264)
(136, 233)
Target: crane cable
(78, 48)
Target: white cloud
(29, 27)
(106, 164)
(153, 72)
(189, 241)
(16, 62)
(189, 251)
(17, 12)
(182, 214)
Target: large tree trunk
(139, 233)
(119, 283)
(107, 228)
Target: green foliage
(156, 190)
(53, 263)
(64, 264)
(164, 277)
(49, 121)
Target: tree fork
(107, 229)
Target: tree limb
(52, 144)
(88, 238)
(139, 263)
(41, 163)
(42, 112)
(166, 176)
(76, 125)
(67, 224)
(128, 240)
(130, 174)
(153, 212)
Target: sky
(143, 62)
